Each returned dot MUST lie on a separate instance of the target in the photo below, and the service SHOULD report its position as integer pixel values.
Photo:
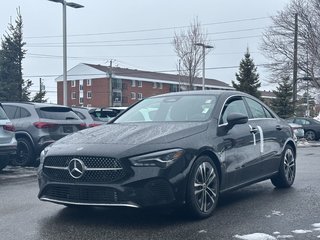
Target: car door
(240, 146)
(269, 135)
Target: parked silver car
(37, 126)
(8, 143)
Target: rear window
(2, 114)
(57, 113)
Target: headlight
(161, 159)
(43, 154)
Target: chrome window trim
(85, 168)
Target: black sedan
(311, 127)
(185, 148)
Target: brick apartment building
(89, 85)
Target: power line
(150, 30)
(139, 44)
(162, 71)
(147, 39)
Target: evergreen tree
(12, 85)
(247, 77)
(283, 104)
(40, 97)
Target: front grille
(83, 194)
(99, 169)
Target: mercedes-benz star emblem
(76, 168)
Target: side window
(256, 109)
(268, 114)
(11, 111)
(233, 106)
(24, 113)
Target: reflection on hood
(135, 133)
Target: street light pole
(64, 23)
(203, 61)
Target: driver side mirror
(236, 118)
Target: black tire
(287, 169)
(25, 153)
(310, 135)
(203, 188)
(4, 162)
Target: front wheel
(287, 169)
(203, 187)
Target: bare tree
(190, 55)
(278, 41)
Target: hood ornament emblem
(76, 168)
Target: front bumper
(139, 187)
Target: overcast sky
(138, 34)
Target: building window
(73, 95)
(89, 94)
(73, 83)
(81, 100)
(133, 95)
(133, 83)
(139, 96)
(81, 85)
(139, 83)
(154, 85)
(88, 82)
(160, 85)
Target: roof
(93, 71)
(267, 94)
(170, 78)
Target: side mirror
(236, 118)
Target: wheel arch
(26, 136)
(215, 160)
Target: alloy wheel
(206, 187)
(289, 165)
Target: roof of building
(93, 71)
(267, 94)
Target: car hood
(124, 139)
(133, 134)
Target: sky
(138, 34)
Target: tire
(25, 153)
(287, 169)
(310, 135)
(4, 162)
(203, 188)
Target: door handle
(253, 130)
(278, 127)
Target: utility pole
(295, 61)
(110, 85)
(40, 89)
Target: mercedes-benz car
(181, 148)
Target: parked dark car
(8, 143)
(311, 127)
(183, 148)
(38, 125)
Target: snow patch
(316, 229)
(284, 236)
(255, 236)
(301, 231)
(277, 213)
(202, 231)
(316, 225)
(276, 233)
(318, 236)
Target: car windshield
(171, 109)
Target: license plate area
(67, 129)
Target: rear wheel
(203, 187)
(287, 169)
(310, 135)
(25, 153)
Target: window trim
(89, 97)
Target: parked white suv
(8, 143)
